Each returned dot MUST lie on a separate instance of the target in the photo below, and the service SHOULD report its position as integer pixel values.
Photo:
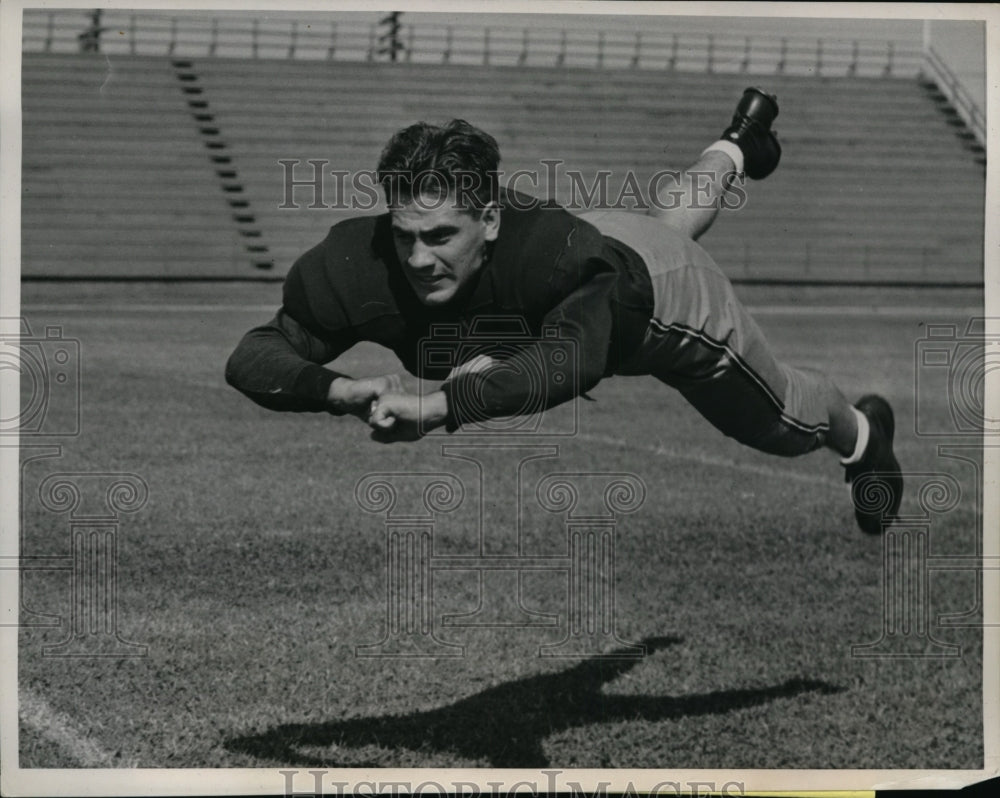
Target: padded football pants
(703, 342)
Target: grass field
(252, 575)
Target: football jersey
(551, 288)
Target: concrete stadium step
(125, 251)
(97, 112)
(112, 140)
(136, 174)
(98, 85)
(109, 143)
(826, 165)
(823, 198)
(893, 239)
(536, 110)
(537, 129)
(359, 73)
(153, 101)
(152, 267)
(663, 98)
(69, 224)
(643, 158)
(111, 174)
(535, 104)
(48, 161)
(133, 196)
(525, 118)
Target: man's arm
(538, 376)
(547, 372)
(278, 366)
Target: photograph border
(17, 781)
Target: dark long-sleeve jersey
(556, 305)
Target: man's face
(441, 247)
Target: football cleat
(751, 132)
(876, 481)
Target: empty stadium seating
(876, 182)
(115, 180)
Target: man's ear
(491, 219)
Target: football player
(634, 293)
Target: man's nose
(421, 256)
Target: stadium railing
(936, 70)
(143, 34)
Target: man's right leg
(689, 202)
(702, 342)
(725, 369)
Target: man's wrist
(312, 384)
(340, 396)
(434, 410)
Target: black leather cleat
(876, 481)
(751, 132)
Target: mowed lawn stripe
(708, 460)
(35, 713)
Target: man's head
(440, 184)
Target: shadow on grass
(506, 725)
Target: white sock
(862, 441)
(730, 149)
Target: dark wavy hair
(455, 159)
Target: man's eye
(437, 239)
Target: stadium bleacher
(115, 180)
(876, 183)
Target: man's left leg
(688, 202)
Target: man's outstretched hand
(383, 404)
(397, 417)
(357, 397)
